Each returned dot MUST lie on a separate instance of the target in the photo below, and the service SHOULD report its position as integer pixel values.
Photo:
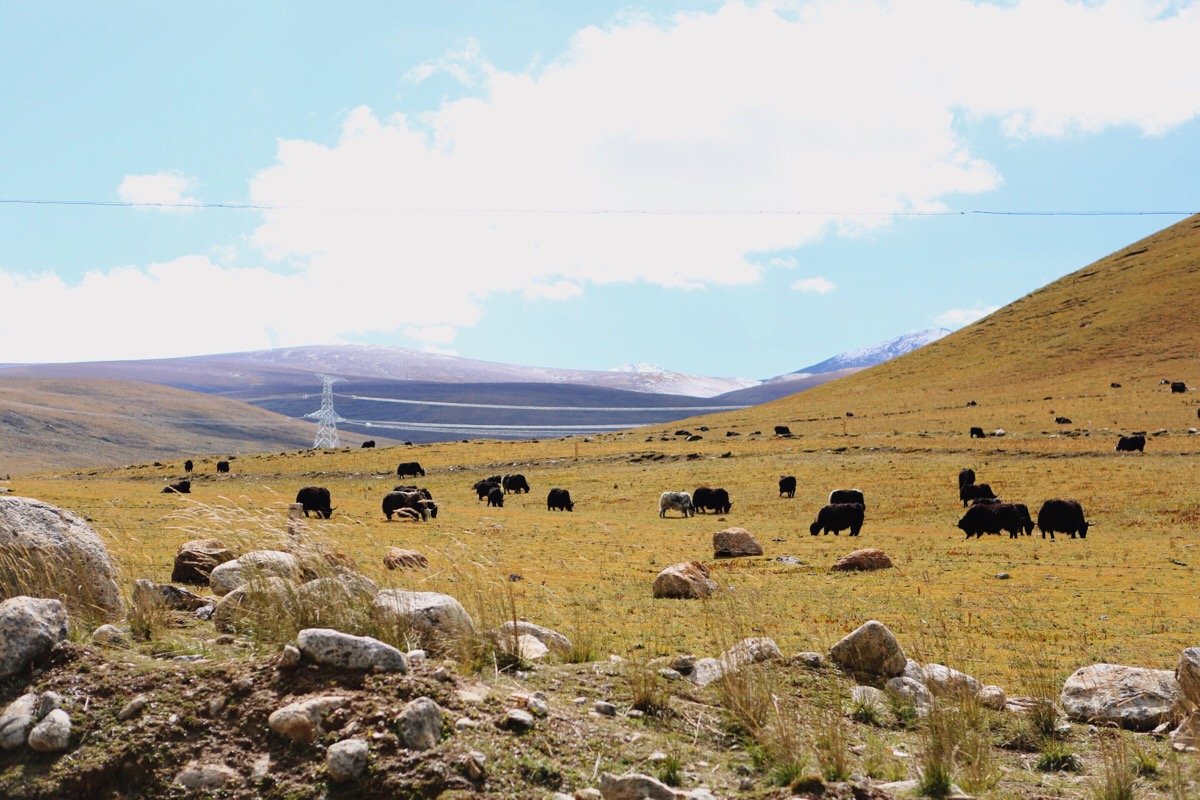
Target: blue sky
(717, 188)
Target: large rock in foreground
(1132, 697)
(29, 627)
(870, 649)
(686, 581)
(48, 552)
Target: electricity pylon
(327, 435)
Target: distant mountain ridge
(869, 356)
(424, 397)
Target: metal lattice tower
(327, 435)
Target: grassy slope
(48, 423)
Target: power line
(540, 408)
(198, 205)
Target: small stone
(517, 720)
(206, 776)
(684, 664)
(589, 793)
(347, 760)
(538, 707)
(474, 766)
(416, 658)
(604, 708)
(464, 723)
(289, 658)
(133, 708)
(666, 673)
(110, 635)
(442, 674)
(1002, 576)
(52, 734)
(419, 725)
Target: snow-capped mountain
(642, 377)
(869, 356)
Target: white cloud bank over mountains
(645, 153)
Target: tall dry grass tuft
(32, 572)
(1117, 777)
(333, 592)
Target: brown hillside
(57, 424)
(1129, 318)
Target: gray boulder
(1132, 697)
(257, 563)
(61, 556)
(331, 648)
(553, 640)
(870, 649)
(29, 627)
(945, 681)
(437, 618)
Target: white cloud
(688, 154)
(959, 317)
(165, 189)
(817, 285)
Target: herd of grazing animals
(845, 510)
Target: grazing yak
(705, 499)
(409, 468)
(1178, 387)
(1026, 520)
(783, 430)
(495, 497)
(992, 518)
(1127, 444)
(394, 501)
(316, 499)
(966, 477)
(222, 466)
(837, 517)
(428, 495)
(514, 483)
(847, 496)
(559, 500)
(787, 485)
(676, 501)
(977, 433)
(973, 491)
(178, 487)
(369, 443)
(187, 465)
(483, 488)
(1064, 516)
(1062, 420)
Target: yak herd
(846, 508)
